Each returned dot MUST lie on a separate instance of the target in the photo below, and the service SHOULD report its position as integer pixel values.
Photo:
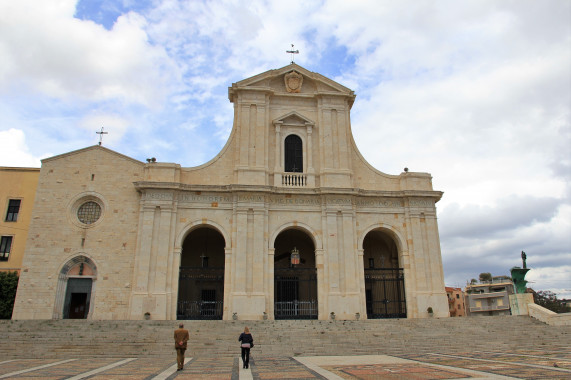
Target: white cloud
(46, 49)
(13, 150)
(484, 221)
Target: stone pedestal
(518, 277)
(519, 303)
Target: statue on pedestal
(518, 275)
(520, 300)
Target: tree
(548, 300)
(484, 277)
(8, 286)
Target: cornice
(175, 186)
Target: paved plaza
(542, 364)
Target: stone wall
(56, 236)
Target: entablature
(357, 199)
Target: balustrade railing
(294, 179)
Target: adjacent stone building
(288, 221)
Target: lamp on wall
(294, 256)
(204, 257)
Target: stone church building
(288, 221)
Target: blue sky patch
(106, 12)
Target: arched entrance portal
(75, 289)
(201, 276)
(295, 276)
(384, 279)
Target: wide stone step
(73, 338)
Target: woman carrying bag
(247, 342)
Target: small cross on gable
(101, 133)
(292, 52)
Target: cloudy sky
(477, 93)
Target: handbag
(245, 345)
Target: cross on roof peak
(101, 135)
(292, 52)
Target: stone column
(322, 284)
(278, 164)
(171, 285)
(228, 281)
(334, 145)
(244, 120)
(361, 277)
(140, 287)
(332, 251)
(240, 252)
(159, 266)
(175, 265)
(412, 281)
(309, 147)
(270, 283)
(258, 249)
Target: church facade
(288, 221)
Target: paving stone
(394, 371)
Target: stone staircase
(86, 338)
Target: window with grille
(293, 154)
(13, 210)
(89, 212)
(5, 246)
(209, 295)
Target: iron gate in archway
(385, 296)
(295, 293)
(201, 293)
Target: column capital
(277, 125)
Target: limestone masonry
(288, 221)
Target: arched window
(293, 154)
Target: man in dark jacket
(180, 338)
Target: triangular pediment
(293, 118)
(276, 82)
(97, 148)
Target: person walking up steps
(180, 338)
(247, 343)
